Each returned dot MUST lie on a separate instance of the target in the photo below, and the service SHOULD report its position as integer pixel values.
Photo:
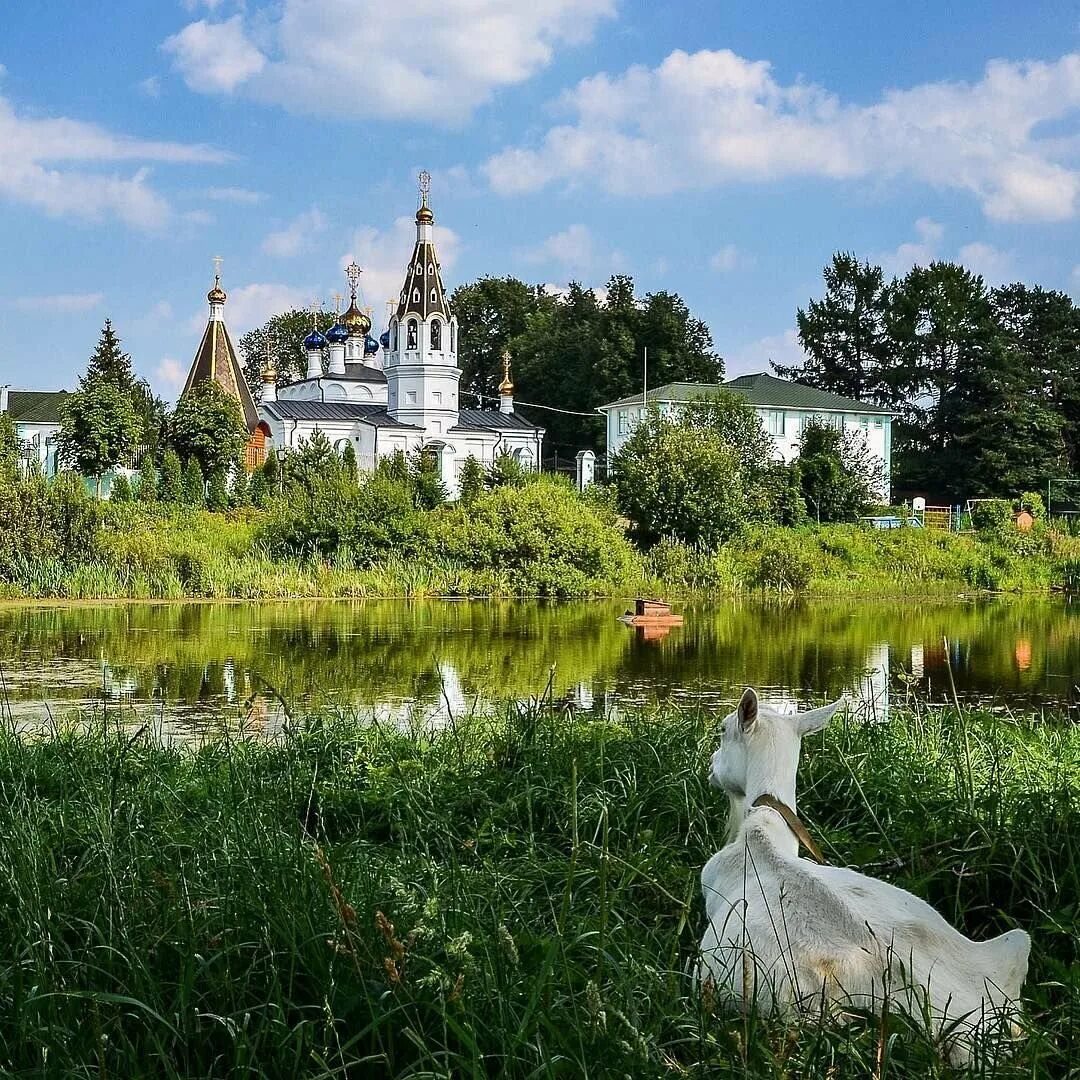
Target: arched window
(436, 336)
(434, 297)
(393, 334)
(410, 336)
(416, 296)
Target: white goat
(787, 933)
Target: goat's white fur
(786, 933)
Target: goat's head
(759, 749)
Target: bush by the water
(515, 896)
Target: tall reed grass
(513, 896)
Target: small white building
(785, 409)
(36, 416)
(399, 393)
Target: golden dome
(355, 321)
(506, 386)
(424, 216)
(217, 294)
(269, 374)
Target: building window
(453, 336)
(436, 336)
(437, 395)
(877, 423)
(393, 334)
(410, 397)
(434, 297)
(416, 296)
(774, 422)
(419, 268)
(431, 268)
(624, 421)
(410, 336)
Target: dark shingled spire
(423, 293)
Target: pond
(193, 667)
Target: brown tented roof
(215, 361)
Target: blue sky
(720, 149)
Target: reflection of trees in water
(370, 652)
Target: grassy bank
(516, 896)
(153, 553)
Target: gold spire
(354, 320)
(506, 386)
(424, 216)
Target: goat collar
(791, 819)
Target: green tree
(697, 475)
(838, 476)
(844, 334)
(209, 426)
(194, 484)
(98, 429)
(120, 489)
(505, 471)
(172, 480)
(348, 461)
(110, 364)
(147, 489)
(471, 480)
(428, 489)
(240, 493)
(258, 492)
(286, 333)
(271, 472)
(312, 460)
(217, 492)
(9, 448)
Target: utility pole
(645, 380)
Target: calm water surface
(194, 667)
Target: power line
(533, 405)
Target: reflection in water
(197, 665)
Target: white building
(785, 409)
(36, 416)
(400, 393)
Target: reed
(514, 895)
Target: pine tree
(120, 490)
(194, 485)
(240, 494)
(109, 363)
(217, 492)
(172, 480)
(471, 480)
(148, 481)
(348, 459)
(258, 492)
(271, 472)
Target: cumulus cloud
(575, 251)
(40, 159)
(67, 303)
(169, 376)
(727, 258)
(379, 65)
(215, 57)
(383, 254)
(297, 236)
(759, 355)
(921, 251)
(985, 259)
(703, 119)
(251, 305)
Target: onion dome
(506, 386)
(384, 341)
(217, 294)
(355, 321)
(371, 346)
(424, 216)
(314, 340)
(337, 334)
(269, 374)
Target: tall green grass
(514, 896)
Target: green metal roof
(762, 390)
(35, 406)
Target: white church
(399, 394)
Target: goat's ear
(748, 711)
(816, 719)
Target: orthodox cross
(425, 186)
(353, 272)
(217, 260)
(315, 306)
(269, 347)
(337, 303)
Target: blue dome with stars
(337, 334)
(314, 340)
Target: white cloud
(397, 58)
(573, 248)
(61, 302)
(702, 119)
(727, 258)
(297, 236)
(151, 86)
(215, 58)
(753, 356)
(384, 254)
(36, 168)
(199, 217)
(987, 260)
(161, 310)
(919, 252)
(169, 376)
(235, 195)
(251, 305)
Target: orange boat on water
(651, 613)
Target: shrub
(505, 471)
(172, 478)
(209, 427)
(471, 480)
(992, 515)
(147, 487)
(782, 563)
(838, 475)
(120, 489)
(217, 492)
(240, 494)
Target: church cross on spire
(425, 186)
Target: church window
(430, 268)
(437, 395)
(410, 397)
(453, 336)
(434, 297)
(393, 335)
(410, 339)
(436, 336)
(416, 296)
